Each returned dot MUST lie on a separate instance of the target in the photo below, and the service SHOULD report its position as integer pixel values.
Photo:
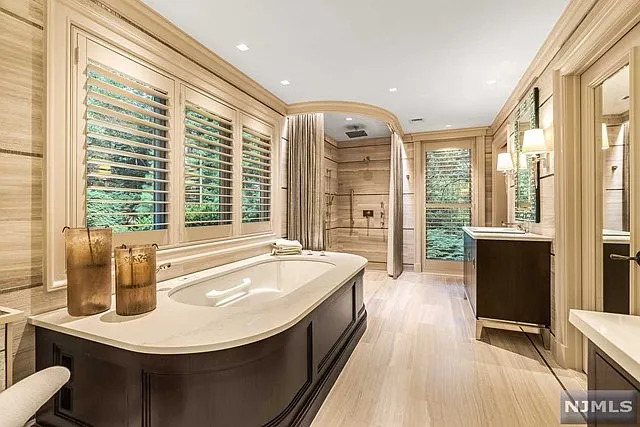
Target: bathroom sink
(497, 230)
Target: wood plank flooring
(418, 364)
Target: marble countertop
(616, 334)
(177, 328)
(479, 234)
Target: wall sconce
(534, 143)
(505, 163)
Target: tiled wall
(347, 169)
(21, 164)
(613, 172)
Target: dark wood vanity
(615, 278)
(606, 374)
(508, 280)
(281, 380)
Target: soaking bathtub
(252, 343)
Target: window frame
(67, 22)
(474, 139)
(204, 100)
(449, 205)
(106, 55)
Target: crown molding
(348, 107)
(586, 30)
(608, 22)
(438, 135)
(145, 18)
(570, 19)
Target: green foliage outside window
(125, 161)
(448, 199)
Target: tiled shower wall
(346, 169)
(369, 180)
(21, 165)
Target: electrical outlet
(367, 213)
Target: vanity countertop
(616, 334)
(493, 233)
(177, 328)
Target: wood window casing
(75, 29)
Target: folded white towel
(283, 243)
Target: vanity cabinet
(508, 280)
(615, 279)
(606, 374)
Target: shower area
(357, 165)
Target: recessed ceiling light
(393, 89)
(348, 119)
(448, 126)
(285, 82)
(242, 47)
(492, 82)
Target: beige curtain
(394, 242)
(305, 186)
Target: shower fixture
(351, 197)
(327, 220)
(381, 214)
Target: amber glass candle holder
(135, 279)
(88, 262)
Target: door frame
(626, 51)
(476, 140)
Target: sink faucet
(520, 226)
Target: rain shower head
(356, 133)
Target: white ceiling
(614, 90)
(336, 124)
(439, 54)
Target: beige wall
(21, 162)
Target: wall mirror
(612, 149)
(527, 168)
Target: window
(448, 202)
(208, 167)
(256, 176)
(160, 151)
(127, 133)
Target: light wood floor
(418, 364)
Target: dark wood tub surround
(278, 381)
(508, 280)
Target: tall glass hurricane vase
(88, 260)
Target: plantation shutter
(448, 201)
(127, 129)
(208, 167)
(257, 163)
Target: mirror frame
(528, 105)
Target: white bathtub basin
(266, 281)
